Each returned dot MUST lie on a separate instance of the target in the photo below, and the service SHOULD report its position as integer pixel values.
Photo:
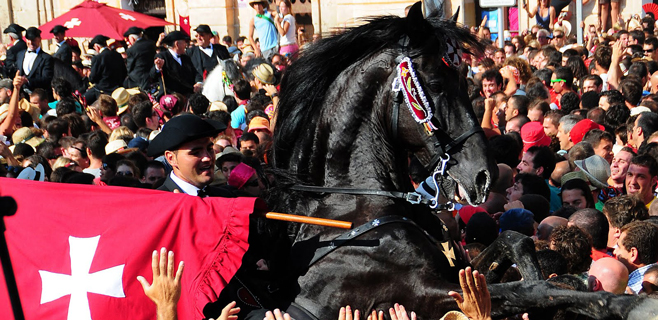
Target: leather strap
(326, 247)
(411, 197)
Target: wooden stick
(309, 220)
(164, 87)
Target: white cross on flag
(77, 249)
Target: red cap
(581, 128)
(533, 134)
(240, 175)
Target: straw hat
(218, 106)
(253, 2)
(119, 146)
(264, 73)
(25, 135)
(121, 96)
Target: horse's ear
(456, 15)
(434, 8)
(415, 13)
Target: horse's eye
(434, 85)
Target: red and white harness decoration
(453, 55)
(407, 82)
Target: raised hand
(398, 312)
(345, 313)
(230, 312)
(476, 303)
(166, 287)
(276, 315)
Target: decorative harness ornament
(407, 83)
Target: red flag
(184, 23)
(77, 249)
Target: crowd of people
(572, 126)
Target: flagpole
(8, 205)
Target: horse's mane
(305, 83)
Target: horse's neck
(351, 149)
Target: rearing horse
(353, 108)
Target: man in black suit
(140, 58)
(173, 69)
(206, 55)
(187, 145)
(108, 71)
(34, 63)
(15, 33)
(64, 51)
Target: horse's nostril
(482, 181)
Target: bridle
(406, 87)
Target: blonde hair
(62, 162)
(123, 133)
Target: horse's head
(436, 119)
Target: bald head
(547, 225)
(561, 168)
(654, 82)
(505, 179)
(611, 275)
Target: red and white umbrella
(91, 18)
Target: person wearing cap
(140, 57)
(264, 25)
(173, 69)
(263, 74)
(260, 127)
(205, 55)
(64, 51)
(187, 145)
(16, 45)
(579, 130)
(108, 71)
(597, 171)
(34, 63)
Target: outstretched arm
(7, 126)
(166, 287)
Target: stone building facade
(232, 16)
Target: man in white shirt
(34, 63)
(186, 143)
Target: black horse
(353, 108)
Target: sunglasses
(125, 173)
(649, 51)
(558, 80)
(559, 36)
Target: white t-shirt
(291, 35)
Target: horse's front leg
(540, 296)
(509, 248)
